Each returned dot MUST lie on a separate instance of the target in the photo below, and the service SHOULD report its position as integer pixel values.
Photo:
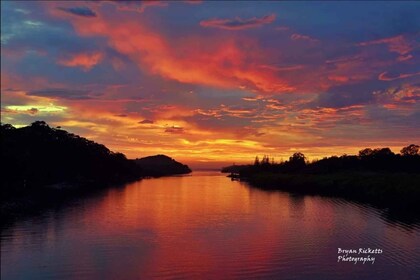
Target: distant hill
(161, 165)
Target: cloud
(79, 11)
(33, 111)
(404, 57)
(137, 6)
(297, 36)
(395, 96)
(350, 94)
(84, 60)
(73, 94)
(175, 130)
(384, 76)
(238, 23)
(218, 63)
(146, 121)
(398, 44)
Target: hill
(161, 165)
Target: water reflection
(204, 227)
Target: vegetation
(375, 175)
(43, 163)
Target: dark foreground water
(207, 227)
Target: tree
(383, 152)
(6, 127)
(257, 161)
(39, 124)
(265, 160)
(297, 159)
(365, 152)
(411, 150)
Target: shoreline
(396, 191)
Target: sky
(216, 83)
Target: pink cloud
(398, 44)
(404, 57)
(384, 76)
(238, 23)
(84, 60)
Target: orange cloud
(342, 79)
(84, 60)
(195, 60)
(238, 23)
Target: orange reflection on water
(195, 223)
(203, 226)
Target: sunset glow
(215, 83)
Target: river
(206, 226)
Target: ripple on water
(207, 227)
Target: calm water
(206, 227)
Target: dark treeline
(376, 176)
(368, 160)
(39, 155)
(38, 158)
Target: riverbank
(395, 190)
(33, 201)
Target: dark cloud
(348, 95)
(175, 130)
(135, 5)
(146, 122)
(79, 11)
(33, 111)
(75, 94)
(238, 23)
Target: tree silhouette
(365, 152)
(257, 161)
(411, 150)
(297, 158)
